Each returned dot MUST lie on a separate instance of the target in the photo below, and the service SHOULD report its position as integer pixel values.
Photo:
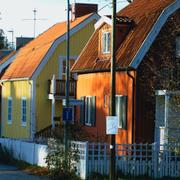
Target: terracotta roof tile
(144, 13)
(30, 56)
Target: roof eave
(102, 20)
(87, 71)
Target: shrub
(61, 165)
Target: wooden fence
(131, 159)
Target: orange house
(144, 29)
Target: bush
(6, 156)
(61, 165)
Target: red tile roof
(30, 56)
(144, 13)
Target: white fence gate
(131, 159)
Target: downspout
(133, 106)
(31, 114)
(1, 84)
(32, 110)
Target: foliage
(73, 133)
(61, 165)
(3, 40)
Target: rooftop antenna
(34, 19)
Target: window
(71, 62)
(23, 111)
(121, 110)
(87, 111)
(178, 46)
(9, 110)
(106, 41)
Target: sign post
(67, 114)
(111, 125)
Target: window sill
(106, 53)
(23, 124)
(87, 124)
(9, 122)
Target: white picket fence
(131, 159)
(32, 153)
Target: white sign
(111, 124)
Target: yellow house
(26, 102)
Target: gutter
(128, 68)
(133, 106)
(14, 79)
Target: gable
(149, 17)
(32, 57)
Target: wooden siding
(152, 75)
(77, 42)
(98, 84)
(145, 14)
(16, 90)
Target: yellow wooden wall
(43, 105)
(16, 90)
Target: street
(11, 173)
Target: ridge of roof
(145, 14)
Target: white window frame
(9, 121)
(87, 111)
(89, 119)
(23, 123)
(60, 64)
(106, 48)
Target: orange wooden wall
(98, 84)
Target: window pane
(86, 110)
(104, 42)
(121, 110)
(108, 42)
(23, 110)
(90, 110)
(9, 108)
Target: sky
(14, 12)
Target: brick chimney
(81, 9)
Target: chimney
(81, 9)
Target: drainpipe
(1, 129)
(133, 106)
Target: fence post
(155, 159)
(86, 157)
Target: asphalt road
(12, 173)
